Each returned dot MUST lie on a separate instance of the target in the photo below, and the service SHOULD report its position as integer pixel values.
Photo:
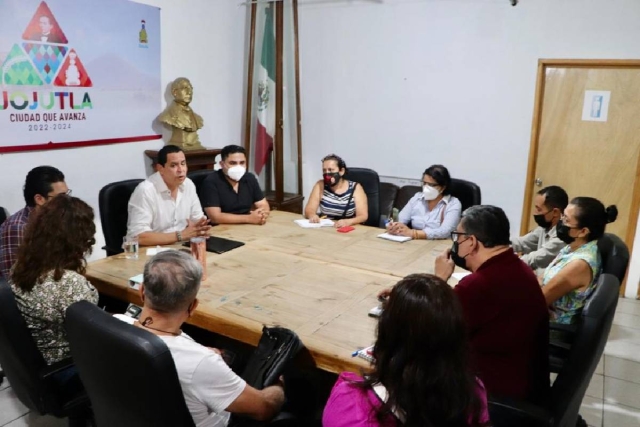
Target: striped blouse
(333, 205)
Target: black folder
(219, 245)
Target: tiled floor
(612, 399)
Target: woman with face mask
(571, 277)
(432, 213)
(335, 197)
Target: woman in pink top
(420, 377)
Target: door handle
(538, 182)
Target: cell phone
(346, 229)
(133, 311)
(375, 311)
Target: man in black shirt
(232, 196)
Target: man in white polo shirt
(164, 208)
(212, 391)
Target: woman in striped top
(335, 197)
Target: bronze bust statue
(184, 121)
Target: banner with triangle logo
(46, 57)
(72, 73)
(44, 27)
(17, 69)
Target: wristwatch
(179, 234)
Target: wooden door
(587, 158)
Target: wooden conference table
(317, 282)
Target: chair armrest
(562, 327)
(510, 412)
(53, 369)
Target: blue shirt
(437, 223)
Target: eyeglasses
(431, 184)
(455, 234)
(66, 193)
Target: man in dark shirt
(503, 304)
(232, 196)
(42, 184)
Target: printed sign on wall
(77, 73)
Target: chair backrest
(21, 360)
(370, 182)
(615, 255)
(388, 194)
(405, 194)
(591, 336)
(113, 202)
(3, 215)
(128, 373)
(466, 191)
(198, 177)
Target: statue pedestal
(196, 159)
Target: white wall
(202, 40)
(397, 85)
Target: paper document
(304, 223)
(157, 250)
(394, 238)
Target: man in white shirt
(212, 391)
(541, 245)
(165, 209)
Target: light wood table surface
(317, 282)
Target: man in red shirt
(504, 307)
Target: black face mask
(541, 221)
(327, 178)
(457, 259)
(562, 231)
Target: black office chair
(615, 255)
(31, 378)
(572, 381)
(388, 194)
(113, 201)
(615, 260)
(3, 217)
(128, 373)
(198, 177)
(467, 192)
(370, 182)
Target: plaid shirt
(11, 235)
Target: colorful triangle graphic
(44, 27)
(46, 57)
(17, 69)
(72, 73)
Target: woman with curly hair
(420, 376)
(48, 274)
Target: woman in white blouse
(432, 213)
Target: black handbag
(277, 347)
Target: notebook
(304, 223)
(219, 245)
(393, 238)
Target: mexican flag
(266, 125)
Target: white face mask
(429, 193)
(236, 172)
